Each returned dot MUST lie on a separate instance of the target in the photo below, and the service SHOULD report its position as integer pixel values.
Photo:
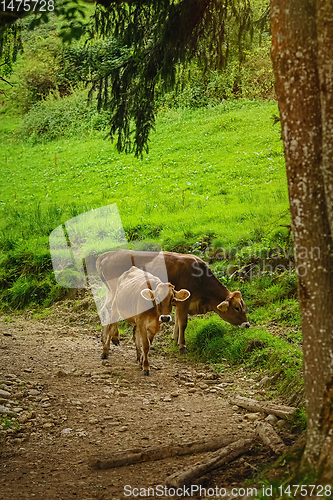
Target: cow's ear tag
(223, 306)
(181, 295)
(147, 294)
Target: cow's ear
(181, 295)
(237, 294)
(147, 294)
(223, 306)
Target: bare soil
(70, 408)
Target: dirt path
(72, 406)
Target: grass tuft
(217, 342)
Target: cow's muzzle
(245, 325)
(165, 318)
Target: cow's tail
(100, 273)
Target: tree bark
(302, 41)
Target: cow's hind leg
(108, 332)
(106, 335)
(115, 335)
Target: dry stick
(270, 437)
(263, 406)
(138, 455)
(214, 461)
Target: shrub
(195, 88)
(54, 117)
(257, 74)
(40, 71)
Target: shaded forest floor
(69, 408)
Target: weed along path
(68, 414)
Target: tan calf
(146, 302)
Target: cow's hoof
(115, 341)
(183, 350)
(104, 356)
(146, 372)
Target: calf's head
(165, 296)
(233, 310)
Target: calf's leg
(176, 329)
(145, 351)
(137, 340)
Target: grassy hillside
(218, 170)
(215, 172)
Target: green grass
(215, 172)
(8, 423)
(224, 345)
(272, 297)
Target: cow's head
(165, 296)
(232, 310)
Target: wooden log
(213, 461)
(270, 437)
(138, 455)
(263, 406)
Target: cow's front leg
(180, 324)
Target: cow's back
(183, 271)
(129, 301)
(111, 265)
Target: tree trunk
(213, 461)
(302, 58)
(268, 435)
(263, 406)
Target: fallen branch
(214, 461)
(270, 437)
(263, 406)
(138, 455)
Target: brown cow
(183, 271)
(143, 300)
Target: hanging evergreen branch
(10, 46)
(157, 35)
(145, 41)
